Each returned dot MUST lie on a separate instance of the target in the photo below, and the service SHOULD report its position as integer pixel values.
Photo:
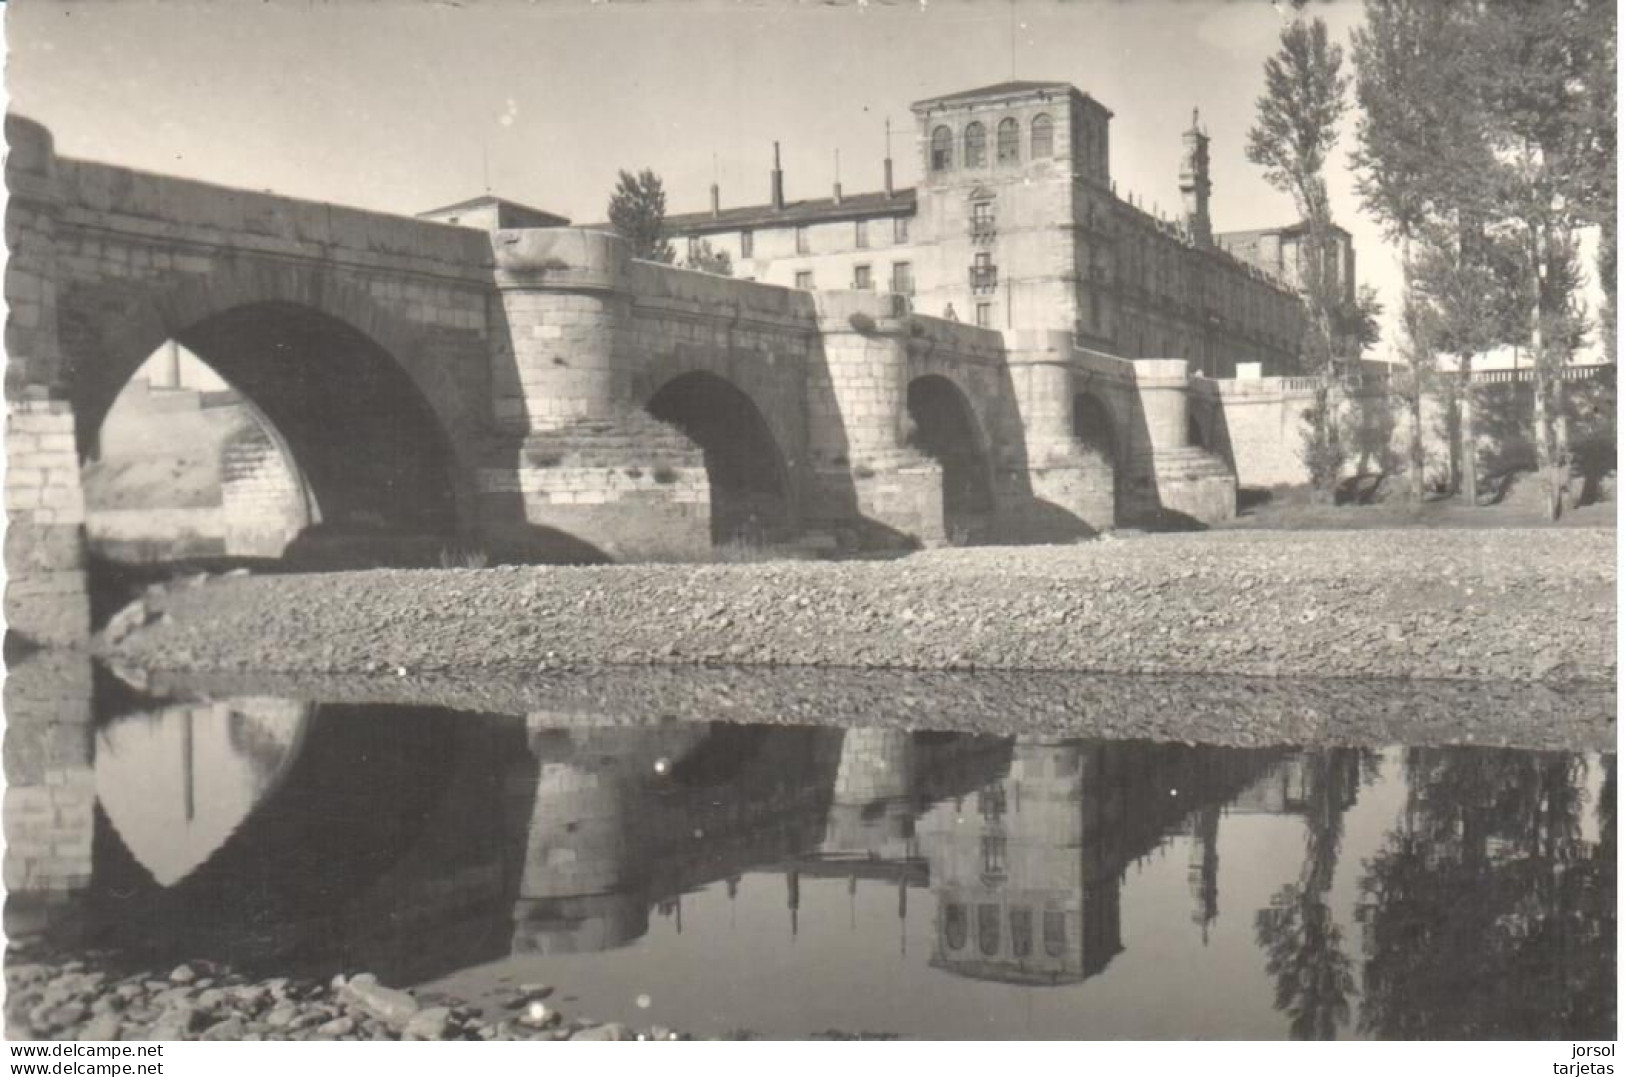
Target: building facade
(1017, 225)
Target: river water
(792, 881)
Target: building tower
(1194, 185)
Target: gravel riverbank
(79, 999)
(1476, 605)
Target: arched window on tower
(1043, 136)
(975, 146)
(942, 149)
(1009, 141)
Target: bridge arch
(106, 335)
(943, 425)
(370, 450)
(752, 498)
(1093, 426)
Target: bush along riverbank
(1479, 605)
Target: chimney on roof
(716, 200)
(778, 180)
(888, 158)
(837, 177)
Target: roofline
(901, 202)
(965, 97)
(1281, 230)
(490, 199)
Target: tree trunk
(1546, 457)
(1419, 349)
(1468, 429)
(1418, 454)
(1315, 280)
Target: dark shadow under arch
(943, 427)
(1092, 426)
(750, 488)
(376, 461)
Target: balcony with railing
(983, 230)
(984, 280)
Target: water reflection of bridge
(418, 842)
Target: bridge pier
(1071, 487)
(50, 790)
(1167, 476)
(579, 471)
(868, 484)
(46, 599)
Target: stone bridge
(540, 395)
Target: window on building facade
(747, 244)
(801, 241)
(861, 280)
(860, 233)
(1054, 932)
(902, 278)
(987, 929)
(984, 275)
(899, 229)
(804, 280)
(1043, 136)
(955, 926)
(984, 315)
(981, 220)
(975, 146)
(993, 852)
(942, 150)
(1009, 141)
(1021, 932)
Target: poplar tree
(1292, 136)
(1419, 155)
(637, 212)
(1547, 74)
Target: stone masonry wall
(46, 598)
(262, 500)
(1257, 425)
(50, 782)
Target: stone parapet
(98, 196)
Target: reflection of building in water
(178, 781)
(625, 820)
(888, 777)
(50, 799)
(1028, 873)
(1284, 790)
(480, 838)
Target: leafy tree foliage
(1487, 914)
(1422, 163)
(1488, 135)
(1303, 944)
(637, 212)
(1305, 95)
(707, 259)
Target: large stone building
(1017, 225)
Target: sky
(405, 105)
